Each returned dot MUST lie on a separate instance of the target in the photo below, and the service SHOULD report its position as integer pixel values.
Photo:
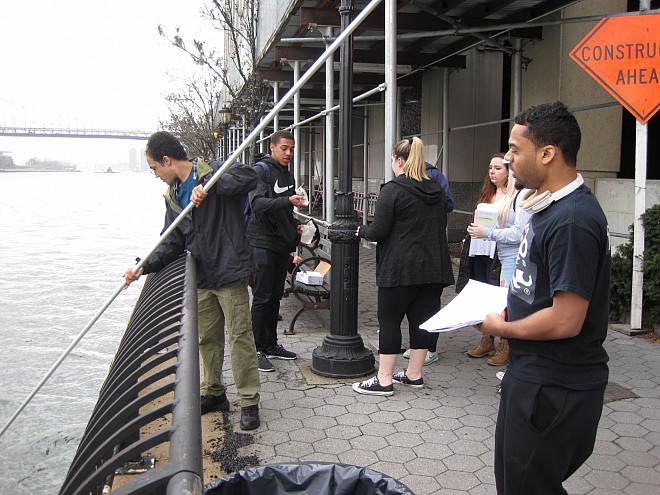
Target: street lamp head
(225, 115)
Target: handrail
(378, 89)
(153, 376)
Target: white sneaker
(431, 357)
(500, 374)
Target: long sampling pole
(214, 178)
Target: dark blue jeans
(481, 266)
(267, 293)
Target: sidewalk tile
(439, 440)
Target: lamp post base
(342, 357)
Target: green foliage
(622, 263)
(651, 221)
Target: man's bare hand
(131, 276)
(298, 201)
(198, 195)
(494, 324)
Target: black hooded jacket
(410, 228)
(273, 225)
(215, 235)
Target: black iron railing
(150, 399)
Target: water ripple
(63, 250)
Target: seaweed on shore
(225, 448)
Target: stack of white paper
(468, 308)
(486, 215)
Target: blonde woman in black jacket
(412, 264)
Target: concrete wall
(553, 75)
(271, 14)
(377, 157)
(617, 199)
(475, 96)
(432, 108)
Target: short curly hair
(161, 144)
(552, 124)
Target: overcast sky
(92, 64)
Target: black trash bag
(318, 478)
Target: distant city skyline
(86, 153)
(91, 65)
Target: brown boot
(501, 357)
(485, 347)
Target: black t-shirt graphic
(565, 248)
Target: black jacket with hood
(273, 225)
(215, 235)
(409, 226)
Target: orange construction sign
(623, 55)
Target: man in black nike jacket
(272, 235)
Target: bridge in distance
(72, 133)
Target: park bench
(316, 257)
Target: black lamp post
(342, 353)
(224, 116)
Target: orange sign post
(623, 55)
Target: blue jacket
(434, 173)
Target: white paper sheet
(468, 308)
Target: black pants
(267, 294)
(543, 435)
(417, 303)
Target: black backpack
(247, 211)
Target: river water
(65, 241)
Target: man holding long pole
(214, 234)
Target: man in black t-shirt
(558, 305)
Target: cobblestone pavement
(440, 439)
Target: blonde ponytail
(412, 152)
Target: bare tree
(192, 114)
(235, 71)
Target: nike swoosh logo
(280, 190)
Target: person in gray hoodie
(412, 264)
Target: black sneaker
(401, 377)
(263, 363)
(373, 387)
(214, 403)
(278, 352)
(250, 417)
